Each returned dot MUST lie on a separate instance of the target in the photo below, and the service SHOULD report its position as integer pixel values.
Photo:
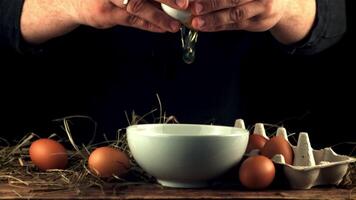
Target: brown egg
(48, 154)
(257, 172)
(278, 145)
(108, 161)
(255, 142)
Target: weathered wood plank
(157, 192)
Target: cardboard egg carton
(310, 167)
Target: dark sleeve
(328, 29)
(10, 14)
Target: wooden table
(157, 192)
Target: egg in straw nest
(78, 167)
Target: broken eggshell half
(310, 167)
(181, 15)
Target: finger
(147, 11)
(227, 27)
(252, 25)
(201, 7)
(121, 17)
(229, 16)
(178, 4)
(119, 3)
(139, 23)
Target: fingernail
(198, 23)
(174, 26)
(198, 8)
(181, 3)
(201, 22)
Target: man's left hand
(288, 20)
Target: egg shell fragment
(180, 15)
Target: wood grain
(158, 192)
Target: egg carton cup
(310, 167)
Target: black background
(315, 94)
(319, 90)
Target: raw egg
(278, 145)
(48, 154)
(255, 142)
(257, 172)
(108, 161)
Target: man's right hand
(42, 20)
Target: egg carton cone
(312, 167)
(239, 123)
(258, 130)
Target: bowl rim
(238, 132)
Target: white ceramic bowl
(186, 155)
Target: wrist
(296, 21)
(42, 20)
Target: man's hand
(42, 20)
(288, 20)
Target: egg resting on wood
(107, 161)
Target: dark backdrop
(313, 94)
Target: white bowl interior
(185, 129)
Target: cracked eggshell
(180, 15)
(313, 167)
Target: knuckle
(269, 8)
(133, 20)
(148, 26)
(158, 17)
(214, 20)
(237, 14)
(98, 17)
(135, 6)
(213, 4)
(234, 2)
(160, 20)
(99, 10)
